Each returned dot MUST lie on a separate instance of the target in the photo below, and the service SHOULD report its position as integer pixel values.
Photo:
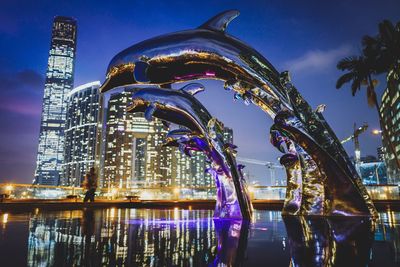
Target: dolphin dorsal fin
(220, 21)
(193, 88)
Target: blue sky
(305, 37)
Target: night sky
(305, 37)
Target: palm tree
(359, 69)
(389, 45)
(380, 54)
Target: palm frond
(345, 78)
(386, 32)
(347, 63)
(356, 85)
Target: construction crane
(354, 137)
(270, 165)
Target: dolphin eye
(140, 72)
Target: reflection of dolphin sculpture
(204, 134)
(208, 52)
(333, 242)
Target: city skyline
(251, 136)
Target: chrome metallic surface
(329, 184)
(202, 133)
(340, 241)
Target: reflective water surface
(148, 237)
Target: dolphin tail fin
(220, 21)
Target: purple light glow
(207, 74)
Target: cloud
(26, 79)
(318, 60)
(21, 93)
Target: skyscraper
(80, 132)
(59, 81)
(390, 112)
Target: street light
(376, 131)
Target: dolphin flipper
(220, 21)
(148, 114)
(193, 88)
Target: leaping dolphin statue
(208, 52)
(202, 133)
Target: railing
(27, 191)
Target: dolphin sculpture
(208, 52)
(201, 132)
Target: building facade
(390, 112)
(59, 82)
(133, 152)
(134, 156)
(80, 132)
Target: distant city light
(5, 218)
(376, 131)
(9, 188)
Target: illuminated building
(80, 132)
(228, 135)
(59, 81)
(191, 171)
(133, 147)
(134, 156)
(390, 112)
(373, 172)
(381, 153)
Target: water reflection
(129, 237)
(329, 242)
(232, 238)
(123, 237)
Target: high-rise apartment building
(59, 82)
(191, 171)
(390, 112)
(80, 132)
(133, 152)
(134, 155)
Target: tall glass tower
(59, 81)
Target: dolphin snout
(119, 76)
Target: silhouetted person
(90, 184)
